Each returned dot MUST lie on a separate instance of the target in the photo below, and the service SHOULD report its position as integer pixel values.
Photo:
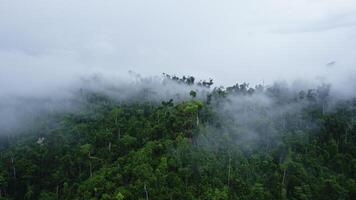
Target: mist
(50, 50)
(47, 44)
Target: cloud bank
(48, 47)
(48, 44)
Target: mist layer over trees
(179, 138)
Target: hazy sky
(44, 43)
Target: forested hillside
(239, 142)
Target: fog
(48, 44)
(48, 49)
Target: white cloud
(226, 40)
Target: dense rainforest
(239, 142)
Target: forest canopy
(182, 139)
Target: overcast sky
(46, 44)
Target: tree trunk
(13, 167)
(284, 176)
(347, 131)
(90, 169)
(229, 171)
(197, 119)
(146, 192)
(90, 166)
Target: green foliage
(183, 151)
